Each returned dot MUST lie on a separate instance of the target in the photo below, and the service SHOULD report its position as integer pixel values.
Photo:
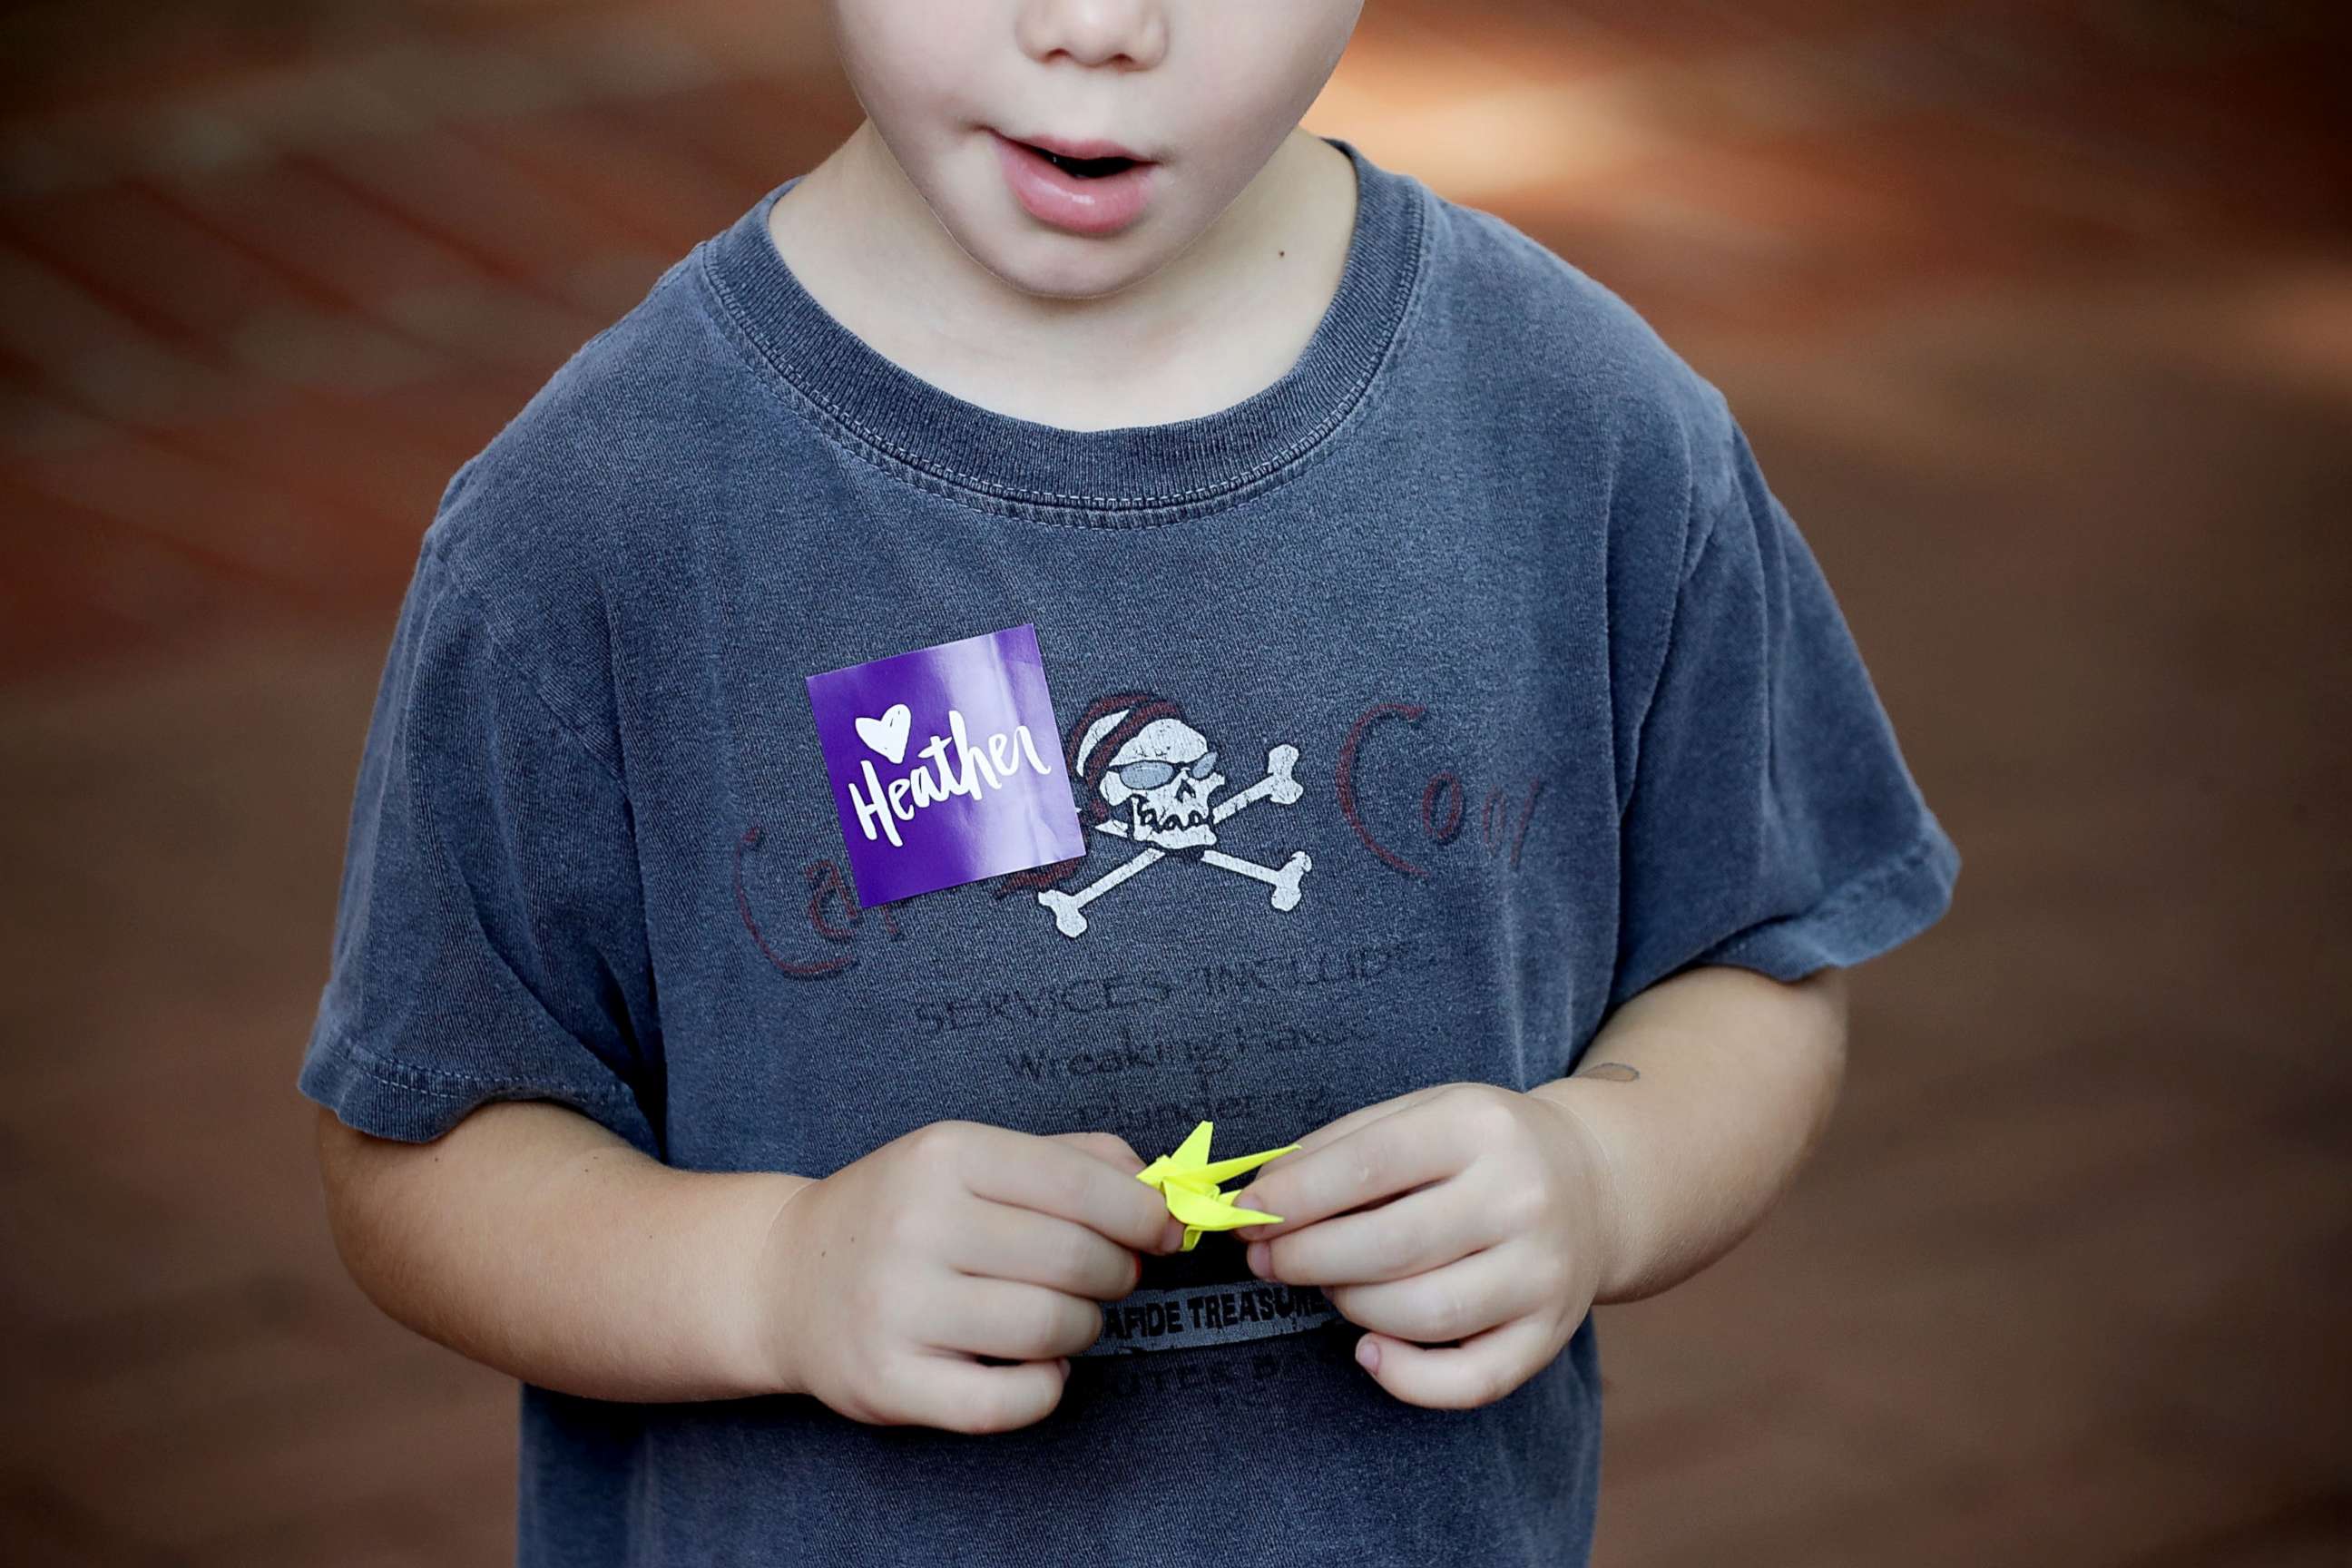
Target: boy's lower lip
(1065, 202)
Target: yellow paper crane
(1189, 1182)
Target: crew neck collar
(1137, 474)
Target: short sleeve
(489, 938)
(1772, 824)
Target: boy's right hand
(883, 1281)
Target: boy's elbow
(345, 1161)
(359, 1176)
(1823, 1002)
(334, 1145)
(1831, 997)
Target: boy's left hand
(1493, 1229)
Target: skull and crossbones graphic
(1154, 782)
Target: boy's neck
(1219, 321)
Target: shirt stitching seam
(842, 431)
(1845, 894)
(516, 667)
(394, 1073)
(1671, 624)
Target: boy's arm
(1704, 1095)
(942, 1280)
(1470, 1227)
(535, 1241)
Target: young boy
(810, 1226)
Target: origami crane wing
(1211, 1212)
(1190, 1160)
(1226, 1170)
(1193, 1152)
(1189, 1182)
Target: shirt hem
(1868, 914)
(408, 1103)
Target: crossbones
(1176, 814)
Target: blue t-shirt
(1573, 710)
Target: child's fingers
(1341, 1126)
(1413, 1235)
(1477, 1372)
(1000, 1241)
(1330, 1132)
(1053, 1177)
(949, 1391)
(1108, 1147)
(1380, 1159)
(1019, 1323)
(1464, 1298)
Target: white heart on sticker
(888, 734)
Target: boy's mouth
(1087, 168)
(1093, 188)
(1082, 168)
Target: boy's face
(1205, 91)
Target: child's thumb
(1108, 1147)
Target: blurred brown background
(2041, 315)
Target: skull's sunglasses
(1153, 773)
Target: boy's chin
(1068, 267)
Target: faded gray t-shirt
(1572, 708)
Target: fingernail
(1261, 1258)
(1065, 1361)
(1367, 1354)
(1248, 1200)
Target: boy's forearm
(1705, 1094)
(533, 1240)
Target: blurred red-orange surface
(2041, 315)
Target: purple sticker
(945, 765)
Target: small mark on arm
(1615, 1072)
